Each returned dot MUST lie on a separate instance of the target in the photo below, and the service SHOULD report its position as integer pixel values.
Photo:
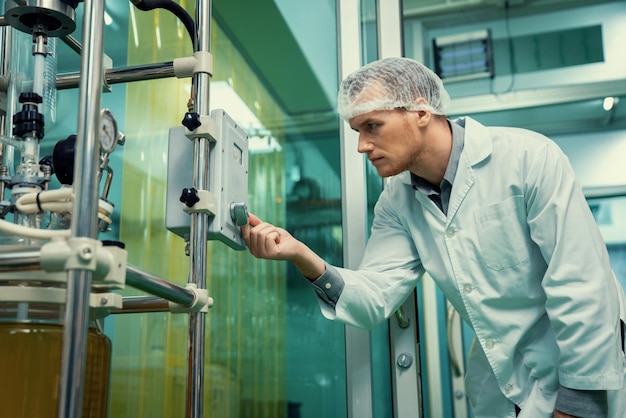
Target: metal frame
(199, 221)
(85, 210)
(354, 216)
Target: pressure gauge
(108, 131)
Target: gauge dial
(108, 131)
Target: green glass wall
(269, 351)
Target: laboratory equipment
(227, 195)
(57, 280)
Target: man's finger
(253, 220)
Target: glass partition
(269, 351)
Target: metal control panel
(228, 181)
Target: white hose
(27, 232)
(34, 202)
(51, 200)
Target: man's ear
(423, 117)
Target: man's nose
(364, 145)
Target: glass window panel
(269, 351)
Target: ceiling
(550, 111)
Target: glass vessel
(31, 341)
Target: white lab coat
(519, 256)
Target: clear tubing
(38, 70)
(29, 165)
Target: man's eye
(372, 126)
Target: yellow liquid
(30, 364)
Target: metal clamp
(207, 203)
(201, 302)
(108, 264)
(207, 129)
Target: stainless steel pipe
(122, 75)
(85, 210)
(199, 221)
(73, 43)
(158, 287)
(142, 304)
(19, 257)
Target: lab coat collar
(476, 148)
(478, 145)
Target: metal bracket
(108, 264)
(201, 302)
(200, 62)
(208, 129)
(207, 203)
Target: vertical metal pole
(389, 28)
(354, 217)
(199, 221)
(5, 53)
(85, 211)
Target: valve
(29, 120)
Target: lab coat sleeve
(387, 275)
(581, 293)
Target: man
(498, 219)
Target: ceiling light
(260, 140)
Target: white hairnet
(391, 83)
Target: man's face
(391, 139)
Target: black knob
(63, 159)
(29, 120)
(191, 121)
(189, 197)
(30, 97)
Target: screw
(404, 360)
(86, 254)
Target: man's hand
(267, 241)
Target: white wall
(599, 161)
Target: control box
(228, 181)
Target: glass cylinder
(31, 341)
